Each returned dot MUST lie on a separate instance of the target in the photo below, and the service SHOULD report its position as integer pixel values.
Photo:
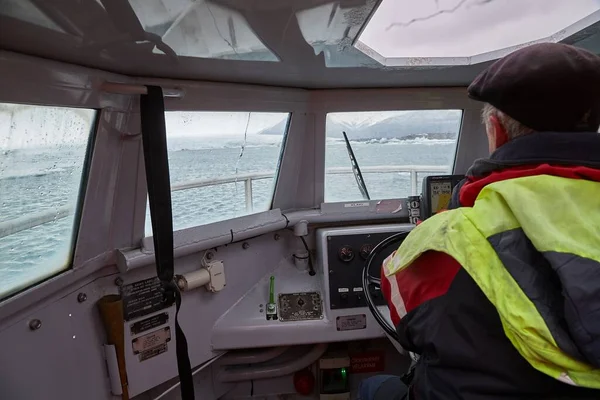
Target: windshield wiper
(356, 170)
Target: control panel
(344, 254)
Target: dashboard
(327, 307)
(346, 256)
(343, 253)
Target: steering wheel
(368, 279)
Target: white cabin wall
(472, 142)
(63, 359)
(299, 150)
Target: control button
(346, 254)
(359, 297)
(344, 296)
(304, 382)
(300, 302)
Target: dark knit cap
(546, 86)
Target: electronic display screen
(440, 195)
(437, 193)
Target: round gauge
(346, 253)
(365, 251)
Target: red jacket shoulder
(426, 278)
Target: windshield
(222, 164)
(395, 150)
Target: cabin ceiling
(291, 43)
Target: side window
(42, 155)
(395, 150)
(222, 164)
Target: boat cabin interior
(296, 138)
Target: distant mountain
(275, 129)
(441, 124)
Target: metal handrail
(19, 224)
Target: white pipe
(113, 369)
(193, 279)
(253, 357)
(129, 259)
(274, 371)
(200, 368)
(125, 88)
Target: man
(500, 296)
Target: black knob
(344, 296)
(346, 254)
(365, 251)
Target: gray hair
(513, 127)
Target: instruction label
(149, 323)
(142, 298)
(351, 322)
(144, 355)
(354, 205)
(151, 340)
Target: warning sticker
(144, 355)
(142, 298)
(389, 206)
(151, 340)
(149, 323)
(367, 362)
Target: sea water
(41, 179)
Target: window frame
(403, 99)
(78, 206)
(301, 177)
(275, 177)
(34, 81)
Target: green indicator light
(272, 290)
(344, 373)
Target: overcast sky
(183, 124)
(475, 27)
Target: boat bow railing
(19, 224)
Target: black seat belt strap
(154, 138)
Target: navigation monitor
(437, 193)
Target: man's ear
(500, 134)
